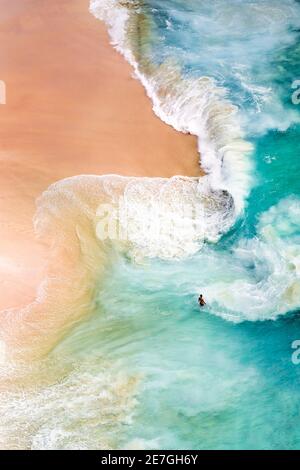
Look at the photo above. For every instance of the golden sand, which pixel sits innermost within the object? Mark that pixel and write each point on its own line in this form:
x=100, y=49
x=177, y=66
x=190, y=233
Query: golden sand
x=72, y=108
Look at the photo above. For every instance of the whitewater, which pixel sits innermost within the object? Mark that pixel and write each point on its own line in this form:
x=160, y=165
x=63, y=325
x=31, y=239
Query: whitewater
x=131, y=362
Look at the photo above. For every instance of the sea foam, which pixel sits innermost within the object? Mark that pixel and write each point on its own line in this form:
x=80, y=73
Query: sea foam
x=191, y=105
x=263, y=273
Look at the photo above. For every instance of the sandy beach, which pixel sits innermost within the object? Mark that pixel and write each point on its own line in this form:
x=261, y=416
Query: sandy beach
x=72, y=108
x=113, y=224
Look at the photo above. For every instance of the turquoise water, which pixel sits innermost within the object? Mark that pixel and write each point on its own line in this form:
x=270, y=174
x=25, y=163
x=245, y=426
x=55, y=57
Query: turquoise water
x=222, y=377
x=147, y=368
x=204, y=383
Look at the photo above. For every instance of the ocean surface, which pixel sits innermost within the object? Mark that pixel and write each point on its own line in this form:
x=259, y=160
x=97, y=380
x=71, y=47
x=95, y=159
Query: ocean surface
x=147, y=369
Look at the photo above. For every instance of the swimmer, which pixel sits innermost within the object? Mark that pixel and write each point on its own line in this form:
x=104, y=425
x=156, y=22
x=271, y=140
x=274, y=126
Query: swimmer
x=201, y=301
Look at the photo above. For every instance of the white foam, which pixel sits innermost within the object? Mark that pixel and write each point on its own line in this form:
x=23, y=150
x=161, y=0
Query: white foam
x=195, y=106
x=167, y=218
x=198, y=105
x=82, y=407
x=263, y=274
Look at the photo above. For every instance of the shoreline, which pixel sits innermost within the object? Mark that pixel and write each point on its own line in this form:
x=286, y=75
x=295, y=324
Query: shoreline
x=72, y=108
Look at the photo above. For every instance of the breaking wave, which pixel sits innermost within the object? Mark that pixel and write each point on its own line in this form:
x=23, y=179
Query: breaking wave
x=191, y=105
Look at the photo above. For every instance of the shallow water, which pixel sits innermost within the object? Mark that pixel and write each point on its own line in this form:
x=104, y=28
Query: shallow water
x=223, y=377
x=203, y=382
x=148, y=369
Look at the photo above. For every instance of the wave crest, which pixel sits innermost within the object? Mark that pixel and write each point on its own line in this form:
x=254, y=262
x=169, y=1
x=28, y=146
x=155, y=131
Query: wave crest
x=191, y=105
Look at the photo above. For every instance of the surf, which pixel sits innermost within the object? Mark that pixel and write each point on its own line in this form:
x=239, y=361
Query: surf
x=115, y=333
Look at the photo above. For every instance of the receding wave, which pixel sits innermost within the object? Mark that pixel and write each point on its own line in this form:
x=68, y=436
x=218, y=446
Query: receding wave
x=86, y=219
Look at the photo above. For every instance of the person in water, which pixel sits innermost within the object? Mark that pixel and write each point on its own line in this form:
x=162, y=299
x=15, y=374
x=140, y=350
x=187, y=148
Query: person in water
x=201, y=301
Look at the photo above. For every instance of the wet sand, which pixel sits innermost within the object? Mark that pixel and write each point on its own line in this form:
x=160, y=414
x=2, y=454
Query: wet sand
x=72, y=108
